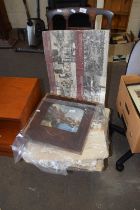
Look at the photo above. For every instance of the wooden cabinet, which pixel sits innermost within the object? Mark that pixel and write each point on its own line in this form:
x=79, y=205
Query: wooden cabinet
x=92, y=3
x=18, y=99
x=121, y=10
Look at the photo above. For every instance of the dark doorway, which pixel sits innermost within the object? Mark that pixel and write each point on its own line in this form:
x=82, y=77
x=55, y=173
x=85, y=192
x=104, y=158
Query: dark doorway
x=54, y=4
x=5, y=26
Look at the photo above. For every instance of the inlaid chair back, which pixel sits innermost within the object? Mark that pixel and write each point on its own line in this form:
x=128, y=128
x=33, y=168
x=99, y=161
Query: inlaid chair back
x=77, y=63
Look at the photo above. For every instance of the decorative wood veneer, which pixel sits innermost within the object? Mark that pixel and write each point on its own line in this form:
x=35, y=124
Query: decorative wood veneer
x=18, y=98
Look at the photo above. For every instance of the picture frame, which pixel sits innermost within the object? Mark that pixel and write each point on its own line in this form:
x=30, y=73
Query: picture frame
x=134, y=91
x=62, y=122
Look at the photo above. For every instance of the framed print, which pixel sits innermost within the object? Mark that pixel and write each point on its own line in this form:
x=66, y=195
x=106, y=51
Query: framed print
x=63, y=117
x=134, y=91
x=63, y=123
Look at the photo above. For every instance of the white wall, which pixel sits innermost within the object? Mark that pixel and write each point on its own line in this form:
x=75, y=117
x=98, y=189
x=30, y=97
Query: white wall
x=16, y=11
x=134, y=19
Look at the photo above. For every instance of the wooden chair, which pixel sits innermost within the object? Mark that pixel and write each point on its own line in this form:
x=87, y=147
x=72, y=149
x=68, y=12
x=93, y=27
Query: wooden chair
x=73, y=79
x=76, y=17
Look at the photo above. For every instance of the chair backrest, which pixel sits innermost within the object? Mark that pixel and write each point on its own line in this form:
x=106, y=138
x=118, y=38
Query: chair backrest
x=133, y=66
x=77, y=63
x=77, y=17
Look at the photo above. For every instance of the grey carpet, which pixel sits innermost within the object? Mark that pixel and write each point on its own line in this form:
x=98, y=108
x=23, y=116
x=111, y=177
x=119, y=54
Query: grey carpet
x=24, y=187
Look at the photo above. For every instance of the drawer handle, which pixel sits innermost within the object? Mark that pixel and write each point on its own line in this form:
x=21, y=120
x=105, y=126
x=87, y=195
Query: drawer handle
x=127, y=109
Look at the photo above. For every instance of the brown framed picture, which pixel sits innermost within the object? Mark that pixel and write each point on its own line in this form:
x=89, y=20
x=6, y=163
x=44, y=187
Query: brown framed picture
x=134, y=91
x=63, y=123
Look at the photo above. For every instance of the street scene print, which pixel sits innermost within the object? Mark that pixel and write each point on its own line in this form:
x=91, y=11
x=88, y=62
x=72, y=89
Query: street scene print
x=63, y=117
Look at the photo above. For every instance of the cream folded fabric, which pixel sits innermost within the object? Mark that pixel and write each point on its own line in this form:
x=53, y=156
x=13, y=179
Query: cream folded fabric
x=48, y=157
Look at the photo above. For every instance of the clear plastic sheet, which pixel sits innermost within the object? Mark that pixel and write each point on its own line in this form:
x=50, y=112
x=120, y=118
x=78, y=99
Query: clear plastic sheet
x=53, y=159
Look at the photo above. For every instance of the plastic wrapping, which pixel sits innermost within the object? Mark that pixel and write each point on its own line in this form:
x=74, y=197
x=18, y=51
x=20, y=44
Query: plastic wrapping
x=54, y=159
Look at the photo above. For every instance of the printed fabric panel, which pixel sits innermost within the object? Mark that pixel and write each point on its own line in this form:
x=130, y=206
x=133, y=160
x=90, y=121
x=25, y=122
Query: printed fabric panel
x=77, y=63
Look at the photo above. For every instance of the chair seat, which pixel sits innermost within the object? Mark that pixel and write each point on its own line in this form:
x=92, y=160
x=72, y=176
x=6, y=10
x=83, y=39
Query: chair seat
x=49, y=158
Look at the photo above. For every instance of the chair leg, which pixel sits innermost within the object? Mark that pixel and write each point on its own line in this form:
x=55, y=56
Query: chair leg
x=113, y=127
x=123, y=159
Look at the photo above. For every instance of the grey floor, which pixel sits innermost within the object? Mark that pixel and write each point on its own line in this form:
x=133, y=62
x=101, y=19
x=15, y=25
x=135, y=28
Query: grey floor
x=24, y=187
